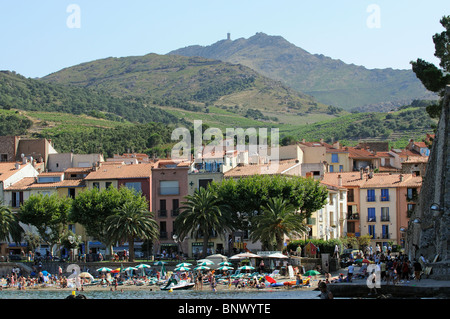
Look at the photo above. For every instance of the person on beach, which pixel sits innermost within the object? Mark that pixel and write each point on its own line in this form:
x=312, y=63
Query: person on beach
x=351, y=269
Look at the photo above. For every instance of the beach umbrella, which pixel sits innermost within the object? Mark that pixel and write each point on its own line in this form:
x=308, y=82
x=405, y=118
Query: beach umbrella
x=311, y=273
x=225, y=268
x=245, y=255
x=159, y=263
x=45, y=273
x=184, y=265
x=115, y=271
x=86, y=275
x=225, y=263
x=202, y=268
x=205, y=262
x=246, y=268
x=143, y=266
x=366, y=261
x=277, y=255
x=130, y=268
x=182, y=269
x=104, y=269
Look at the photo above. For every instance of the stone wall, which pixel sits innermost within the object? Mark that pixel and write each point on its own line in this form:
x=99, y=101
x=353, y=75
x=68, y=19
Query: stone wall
x=430, y=234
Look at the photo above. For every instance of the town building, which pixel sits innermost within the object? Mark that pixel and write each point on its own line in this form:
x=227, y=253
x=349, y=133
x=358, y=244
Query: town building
x=378, y=203
x=169, y=189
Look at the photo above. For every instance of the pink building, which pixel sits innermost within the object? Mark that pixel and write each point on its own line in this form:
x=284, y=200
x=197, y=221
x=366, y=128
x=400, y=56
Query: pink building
x=169, y=188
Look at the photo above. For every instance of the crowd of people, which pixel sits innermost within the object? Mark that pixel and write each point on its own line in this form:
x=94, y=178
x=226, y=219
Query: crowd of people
x=392, y=269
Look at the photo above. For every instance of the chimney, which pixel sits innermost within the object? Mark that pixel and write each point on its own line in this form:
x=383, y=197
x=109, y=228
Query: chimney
x=228, y=36
x=339, y=180
x=17, y=166
x=401, y=177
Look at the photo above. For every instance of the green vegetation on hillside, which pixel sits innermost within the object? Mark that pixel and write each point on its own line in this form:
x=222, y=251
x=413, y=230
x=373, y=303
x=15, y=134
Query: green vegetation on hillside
x=13, y=124
x=400, y=126
x=189, y=83
x=27, y=94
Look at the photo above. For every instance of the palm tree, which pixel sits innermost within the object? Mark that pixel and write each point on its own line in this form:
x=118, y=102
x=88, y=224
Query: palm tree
x=9, y=225
x=131, y=221
x=201, y=214
x=277, y=219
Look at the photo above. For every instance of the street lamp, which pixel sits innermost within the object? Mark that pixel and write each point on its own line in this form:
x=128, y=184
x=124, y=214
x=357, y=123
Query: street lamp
x=436, y=210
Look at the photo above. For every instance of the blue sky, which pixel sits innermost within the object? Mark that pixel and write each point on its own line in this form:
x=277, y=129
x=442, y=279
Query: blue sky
x=37, y=40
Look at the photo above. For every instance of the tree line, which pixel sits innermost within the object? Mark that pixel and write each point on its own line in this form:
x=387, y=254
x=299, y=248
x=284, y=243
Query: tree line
x=269, y=207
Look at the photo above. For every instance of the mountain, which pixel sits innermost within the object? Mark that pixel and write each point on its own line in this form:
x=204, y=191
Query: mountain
x=193, y=84
x=330, y=81
x=19, y=92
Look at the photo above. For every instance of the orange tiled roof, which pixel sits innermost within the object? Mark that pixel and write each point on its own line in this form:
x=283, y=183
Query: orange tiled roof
x=353, y=179
x=28, y=183
x=120, y=171
x=7, y=169
x=257, y=169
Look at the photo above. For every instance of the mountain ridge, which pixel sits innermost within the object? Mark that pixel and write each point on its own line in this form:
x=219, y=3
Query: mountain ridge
x=330, y=81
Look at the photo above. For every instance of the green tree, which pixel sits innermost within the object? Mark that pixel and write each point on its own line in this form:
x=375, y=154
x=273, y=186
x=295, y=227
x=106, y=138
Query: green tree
x=9, y=225
x=92, y=207
x=49, y=214
x=278, y=218
x=433, y=78
x=131, y=221
x=201, y=214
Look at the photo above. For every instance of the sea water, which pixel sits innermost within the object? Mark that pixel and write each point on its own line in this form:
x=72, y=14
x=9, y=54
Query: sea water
x=158, y=294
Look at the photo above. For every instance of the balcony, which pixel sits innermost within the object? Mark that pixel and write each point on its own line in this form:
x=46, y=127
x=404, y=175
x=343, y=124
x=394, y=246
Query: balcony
x=371, y=219
x=163, y=235
x=354, y=216
x=175, y=212
x=385, y=198
x=162, y=213
x=385, y=218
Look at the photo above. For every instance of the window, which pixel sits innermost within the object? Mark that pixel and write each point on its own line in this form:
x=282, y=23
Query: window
x=169, y=188
x=162, y=212
x=331, y=168
x=49, y=179
x=204, y=183
x=107, y=184
x=71, y=192
x=3, y=157
x=350, y=195
x=134, y=185
x=162, y=230
x=411, y=194
x=384, y=214
x=371, y=214
x=96, y=185
x=334, y=158
x=385, y=231
x=372, y=230
x=370, y=195
x=17, y=199
x=175, y=206
x=385, y=195
x=341, y=168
